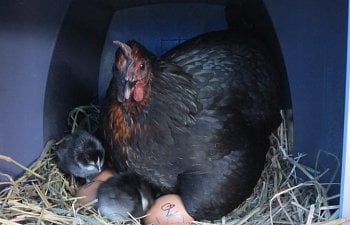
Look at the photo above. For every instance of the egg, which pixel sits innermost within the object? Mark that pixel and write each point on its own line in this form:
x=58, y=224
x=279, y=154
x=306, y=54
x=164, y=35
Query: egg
x=104, y=175
x=167, y=210
x=89, y=190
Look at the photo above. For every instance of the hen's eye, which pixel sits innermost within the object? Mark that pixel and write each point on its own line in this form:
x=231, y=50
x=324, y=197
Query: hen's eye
x=142, y=66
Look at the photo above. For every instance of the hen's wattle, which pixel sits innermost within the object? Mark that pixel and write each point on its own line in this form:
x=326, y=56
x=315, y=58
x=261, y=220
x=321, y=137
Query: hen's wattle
x=195, y=121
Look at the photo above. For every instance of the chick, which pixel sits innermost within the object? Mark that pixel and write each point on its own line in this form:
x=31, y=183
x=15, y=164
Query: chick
x=80, y=155
x=124, y=194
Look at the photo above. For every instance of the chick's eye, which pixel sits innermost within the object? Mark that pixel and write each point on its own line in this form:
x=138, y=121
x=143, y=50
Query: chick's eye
x=142, y=66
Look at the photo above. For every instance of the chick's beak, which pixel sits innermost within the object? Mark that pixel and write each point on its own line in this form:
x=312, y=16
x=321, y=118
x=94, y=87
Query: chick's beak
x=99, y=165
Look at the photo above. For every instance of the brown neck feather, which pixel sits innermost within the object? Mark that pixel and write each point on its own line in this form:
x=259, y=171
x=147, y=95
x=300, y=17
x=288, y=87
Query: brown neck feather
x=120, y=118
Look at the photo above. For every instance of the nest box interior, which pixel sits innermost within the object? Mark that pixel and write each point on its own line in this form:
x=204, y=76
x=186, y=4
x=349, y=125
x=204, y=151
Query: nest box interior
x=58, y=55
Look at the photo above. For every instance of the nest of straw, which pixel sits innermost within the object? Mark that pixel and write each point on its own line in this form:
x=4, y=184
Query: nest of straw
x=43, y=195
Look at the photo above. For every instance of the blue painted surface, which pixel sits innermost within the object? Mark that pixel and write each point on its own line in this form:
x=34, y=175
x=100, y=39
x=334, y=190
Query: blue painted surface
x=345, y=178
x=312, y=35
x=28, y=31
x=73, y=76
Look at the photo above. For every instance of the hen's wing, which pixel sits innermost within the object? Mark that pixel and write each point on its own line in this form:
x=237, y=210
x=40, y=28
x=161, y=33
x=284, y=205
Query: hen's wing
x=235, y=72
x=238, y=87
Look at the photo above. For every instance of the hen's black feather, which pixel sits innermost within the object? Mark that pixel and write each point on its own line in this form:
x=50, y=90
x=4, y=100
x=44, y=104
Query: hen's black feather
x=203, y=129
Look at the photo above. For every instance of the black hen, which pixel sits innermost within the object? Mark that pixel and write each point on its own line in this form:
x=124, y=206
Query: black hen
x=195, y=121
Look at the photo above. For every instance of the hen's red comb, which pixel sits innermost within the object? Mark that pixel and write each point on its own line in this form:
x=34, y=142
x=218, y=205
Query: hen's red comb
x=124, y=47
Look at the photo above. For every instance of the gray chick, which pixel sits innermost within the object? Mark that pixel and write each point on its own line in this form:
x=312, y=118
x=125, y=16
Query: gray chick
x=80, y=155
x=124, y=194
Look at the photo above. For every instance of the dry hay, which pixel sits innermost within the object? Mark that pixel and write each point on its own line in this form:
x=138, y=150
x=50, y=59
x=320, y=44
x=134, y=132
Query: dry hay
x=43, y=195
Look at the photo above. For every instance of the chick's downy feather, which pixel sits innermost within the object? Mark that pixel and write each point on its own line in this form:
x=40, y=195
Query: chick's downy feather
x=80, y=155
x=124, y=194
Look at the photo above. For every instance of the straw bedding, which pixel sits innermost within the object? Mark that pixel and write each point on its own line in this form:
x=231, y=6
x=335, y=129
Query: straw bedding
x=43, y=195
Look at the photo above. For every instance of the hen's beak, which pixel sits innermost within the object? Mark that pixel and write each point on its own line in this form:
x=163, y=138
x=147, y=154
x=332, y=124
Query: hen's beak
x=128, y=87
x=126, y=84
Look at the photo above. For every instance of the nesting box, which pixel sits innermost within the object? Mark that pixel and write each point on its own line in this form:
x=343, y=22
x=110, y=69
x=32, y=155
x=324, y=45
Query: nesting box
x=56, y=55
